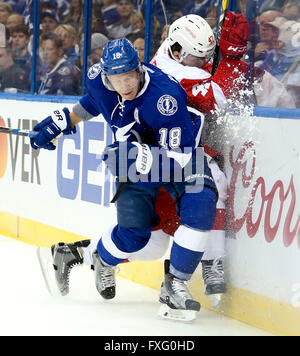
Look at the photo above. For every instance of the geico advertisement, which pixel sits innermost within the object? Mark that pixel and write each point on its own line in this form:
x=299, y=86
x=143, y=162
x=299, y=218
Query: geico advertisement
x=75, y=156
x=15, y=150
x=47, y=185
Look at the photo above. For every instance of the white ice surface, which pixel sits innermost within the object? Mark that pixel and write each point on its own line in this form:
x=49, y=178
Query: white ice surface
x=27, y=308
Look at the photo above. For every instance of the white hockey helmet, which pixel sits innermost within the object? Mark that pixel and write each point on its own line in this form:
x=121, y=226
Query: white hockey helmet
x=194, y=35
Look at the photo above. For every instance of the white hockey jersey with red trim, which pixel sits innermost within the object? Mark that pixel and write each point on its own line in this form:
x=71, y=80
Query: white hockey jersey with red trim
x=204, y=91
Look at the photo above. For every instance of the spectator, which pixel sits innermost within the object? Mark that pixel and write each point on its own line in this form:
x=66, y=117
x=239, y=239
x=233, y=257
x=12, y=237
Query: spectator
x=75, y=16
x=284, y=61
x=50, y=21
x=291, y=10
x=139, y=44
x=50, y=5
x=79, y=62
x=266, y=5
x=270, y=92
x=123, y=27
x=98, y=41
x=176, y=15
x=61, y=7
x=18, y=6
x=268, y=34
x=137, y=22
x=13, y=20
x=19, y=46
x=242, y=7
x=5, y=11
x=67, y=34
x=109, y=12
x=172, y=8
x=211, y=16
x=28, y=14
x=12, y=77
x=2, y=35
x=173, y=5
x=98, y=24
x=59, y=76
x=164, y=33
x=197, y=7
x=138, y=26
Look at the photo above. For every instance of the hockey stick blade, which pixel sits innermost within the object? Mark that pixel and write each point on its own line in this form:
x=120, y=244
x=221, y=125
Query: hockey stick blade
x=45, y=261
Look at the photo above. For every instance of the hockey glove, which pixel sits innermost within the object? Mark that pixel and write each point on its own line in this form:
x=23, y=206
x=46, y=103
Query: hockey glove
x=126, y=159
x=234, y=36
x=50, y=128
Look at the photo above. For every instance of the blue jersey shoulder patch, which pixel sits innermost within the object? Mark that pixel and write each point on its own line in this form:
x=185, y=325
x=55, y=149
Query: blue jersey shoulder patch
x=94, y=71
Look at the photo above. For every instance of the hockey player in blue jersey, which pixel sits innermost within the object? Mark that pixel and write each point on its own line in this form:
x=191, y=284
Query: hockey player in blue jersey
x=146, y=110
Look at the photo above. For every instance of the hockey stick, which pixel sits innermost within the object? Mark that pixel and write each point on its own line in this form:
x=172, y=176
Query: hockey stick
x=224, y=8
x=19, y=132
x=253, y=42
x=27, y=133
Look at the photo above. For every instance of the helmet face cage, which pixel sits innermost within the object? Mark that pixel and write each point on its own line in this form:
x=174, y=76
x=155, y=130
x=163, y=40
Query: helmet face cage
x=194, y=35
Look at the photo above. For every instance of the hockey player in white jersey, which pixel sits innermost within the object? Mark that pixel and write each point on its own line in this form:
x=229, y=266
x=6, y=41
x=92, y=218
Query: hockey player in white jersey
x=185, y=55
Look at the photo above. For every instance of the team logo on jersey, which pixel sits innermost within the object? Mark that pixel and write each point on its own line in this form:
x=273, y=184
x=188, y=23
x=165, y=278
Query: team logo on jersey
x=167, y=105
x=94, y=71
x=64, y=71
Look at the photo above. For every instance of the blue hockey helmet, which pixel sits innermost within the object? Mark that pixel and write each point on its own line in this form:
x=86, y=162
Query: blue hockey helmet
x=119, y=56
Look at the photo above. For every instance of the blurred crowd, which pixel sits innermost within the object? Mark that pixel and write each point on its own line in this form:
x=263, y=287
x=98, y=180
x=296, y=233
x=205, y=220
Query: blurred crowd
x=276, y=52
x=274, y=47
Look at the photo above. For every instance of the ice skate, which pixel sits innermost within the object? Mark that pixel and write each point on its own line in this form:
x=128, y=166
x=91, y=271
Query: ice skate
x=177, y=302
x=104, y=277
x=213, y=276
x=46, y=263
x=56, y=264
x=65, y=257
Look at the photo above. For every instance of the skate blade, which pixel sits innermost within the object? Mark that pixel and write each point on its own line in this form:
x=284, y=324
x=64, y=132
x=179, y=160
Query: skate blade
x=182, y=315
x=215, y=300
x=45, y=260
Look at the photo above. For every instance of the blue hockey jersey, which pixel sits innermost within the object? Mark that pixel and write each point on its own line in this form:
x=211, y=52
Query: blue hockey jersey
x=61, y=80
x=158, y=113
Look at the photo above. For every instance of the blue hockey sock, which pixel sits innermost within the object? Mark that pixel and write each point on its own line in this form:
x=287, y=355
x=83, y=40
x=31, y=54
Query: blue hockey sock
x=184, y=261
